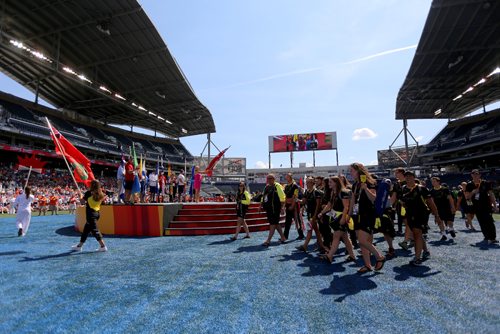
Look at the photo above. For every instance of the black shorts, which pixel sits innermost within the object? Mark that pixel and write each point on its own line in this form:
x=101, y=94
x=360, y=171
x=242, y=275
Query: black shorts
x=129, y=184
x=273, y=218
x=153, y=190
x=241, y=211
x=469, y=209
x=335, y=224
x=364, y=223
x=447, y=217
x=386, y=226
x=419, y=222
x=180, y=189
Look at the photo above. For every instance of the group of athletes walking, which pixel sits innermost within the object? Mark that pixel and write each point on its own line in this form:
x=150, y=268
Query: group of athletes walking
x=338, y=211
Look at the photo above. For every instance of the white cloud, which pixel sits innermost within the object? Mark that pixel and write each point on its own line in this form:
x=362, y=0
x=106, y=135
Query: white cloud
x=419, y=139
x=363, y=133
x=262, y=165
x=373, y=162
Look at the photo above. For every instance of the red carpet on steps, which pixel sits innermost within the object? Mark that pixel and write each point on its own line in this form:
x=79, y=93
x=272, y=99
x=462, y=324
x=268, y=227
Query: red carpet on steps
x=215, y=218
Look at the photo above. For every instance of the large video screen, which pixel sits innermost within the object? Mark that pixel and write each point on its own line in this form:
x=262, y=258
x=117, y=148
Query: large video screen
x=303, y=142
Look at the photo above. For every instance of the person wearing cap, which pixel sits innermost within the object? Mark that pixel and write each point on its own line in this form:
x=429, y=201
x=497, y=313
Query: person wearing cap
x=417, y=201
x=446, y=207
x=480, y=192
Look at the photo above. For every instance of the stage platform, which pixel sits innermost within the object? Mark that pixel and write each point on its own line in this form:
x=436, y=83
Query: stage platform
x=173, y=219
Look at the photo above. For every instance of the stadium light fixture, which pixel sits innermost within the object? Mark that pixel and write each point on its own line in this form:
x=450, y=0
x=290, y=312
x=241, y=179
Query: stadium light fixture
x=105, y=89
x=458, y=97
x=16, y=43
x=84, y=78
x=159, y=117
x=68, y=70
x=167, y=121
x=468, y=90
x=134, y=105
x=437, y=112
x=152, y=113
x=184, y=130
x=142, y=108
x=495, y=71
x=35, y=53
x=480, y=82
x=120, y=97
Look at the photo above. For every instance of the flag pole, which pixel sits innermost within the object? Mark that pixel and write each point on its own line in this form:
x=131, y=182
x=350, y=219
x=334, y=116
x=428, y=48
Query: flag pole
x=29, y=173
x=62, y=152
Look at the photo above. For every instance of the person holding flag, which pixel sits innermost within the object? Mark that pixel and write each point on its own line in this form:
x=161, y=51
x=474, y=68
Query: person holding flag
x=92, y=200
x=23, y=204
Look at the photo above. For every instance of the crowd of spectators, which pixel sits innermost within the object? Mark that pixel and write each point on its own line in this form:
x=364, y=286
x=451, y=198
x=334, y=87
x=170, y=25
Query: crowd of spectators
x=54, y=190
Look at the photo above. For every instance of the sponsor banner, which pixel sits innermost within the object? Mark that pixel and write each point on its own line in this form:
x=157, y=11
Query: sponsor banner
x=303, y=142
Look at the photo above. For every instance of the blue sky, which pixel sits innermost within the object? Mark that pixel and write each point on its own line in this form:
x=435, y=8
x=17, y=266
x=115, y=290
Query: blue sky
x=287, y=66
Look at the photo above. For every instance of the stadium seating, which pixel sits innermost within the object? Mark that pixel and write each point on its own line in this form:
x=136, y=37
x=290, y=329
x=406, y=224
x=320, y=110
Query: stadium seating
x=31, y=122
x=470, y=131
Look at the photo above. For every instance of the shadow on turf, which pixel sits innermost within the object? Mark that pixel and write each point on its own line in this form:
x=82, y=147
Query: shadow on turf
x=439, y=243
x=69, y=231
x=349, y=285
x=11, y=253
x=406, y=271
x=222, y=242
x=251, y=249
x=55, y=256
x=484, y=246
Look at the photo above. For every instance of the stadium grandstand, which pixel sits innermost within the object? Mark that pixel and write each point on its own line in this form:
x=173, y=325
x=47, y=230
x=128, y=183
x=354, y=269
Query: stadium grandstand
x=105, y=69
x=455, y=73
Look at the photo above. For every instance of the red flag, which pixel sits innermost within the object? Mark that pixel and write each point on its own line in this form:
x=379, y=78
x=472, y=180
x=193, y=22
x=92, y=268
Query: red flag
x=80, y=163
x=210, y=168
x=36, y=164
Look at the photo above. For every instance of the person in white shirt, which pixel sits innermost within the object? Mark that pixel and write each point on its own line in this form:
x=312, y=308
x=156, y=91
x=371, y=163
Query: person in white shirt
x=181, y=184
x=153, y=186
x=23, y=205
x=120, y=178
x=12, y=208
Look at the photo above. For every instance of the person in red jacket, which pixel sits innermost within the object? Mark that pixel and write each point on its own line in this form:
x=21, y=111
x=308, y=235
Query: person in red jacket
x=129, y=179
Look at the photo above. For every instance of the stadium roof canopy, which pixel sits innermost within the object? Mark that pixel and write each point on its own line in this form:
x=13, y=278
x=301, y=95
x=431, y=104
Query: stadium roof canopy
x=102, y=59
x=459, y=46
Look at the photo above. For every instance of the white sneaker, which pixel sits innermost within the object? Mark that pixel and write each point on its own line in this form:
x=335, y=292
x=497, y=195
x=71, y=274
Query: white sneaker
x=77, y=248
x=102, y=249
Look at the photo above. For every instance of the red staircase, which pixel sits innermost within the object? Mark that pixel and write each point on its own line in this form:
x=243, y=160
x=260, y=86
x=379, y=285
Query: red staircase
x=215, y=218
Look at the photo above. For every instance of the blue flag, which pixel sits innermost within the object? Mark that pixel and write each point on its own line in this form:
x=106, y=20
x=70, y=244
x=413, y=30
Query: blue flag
x=192, y=183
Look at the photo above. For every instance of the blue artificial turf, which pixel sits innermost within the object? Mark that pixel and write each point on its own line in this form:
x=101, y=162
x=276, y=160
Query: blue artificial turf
x=208, y=284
